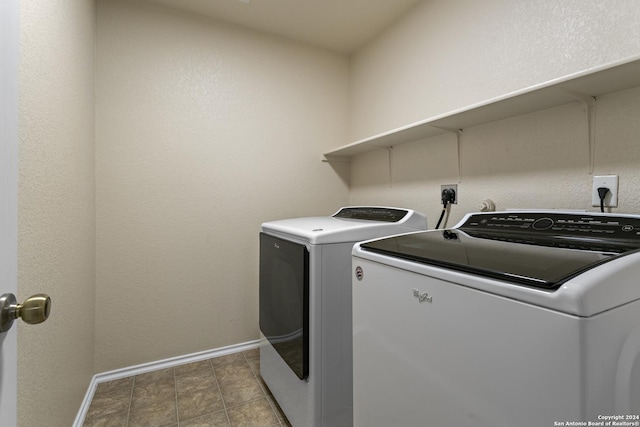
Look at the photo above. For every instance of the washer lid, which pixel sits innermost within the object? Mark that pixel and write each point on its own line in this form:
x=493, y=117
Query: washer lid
x=527, y=264
x=537, y=248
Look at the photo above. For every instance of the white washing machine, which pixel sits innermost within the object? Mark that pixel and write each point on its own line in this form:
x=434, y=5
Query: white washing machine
x=305, y=308
x=509, y=319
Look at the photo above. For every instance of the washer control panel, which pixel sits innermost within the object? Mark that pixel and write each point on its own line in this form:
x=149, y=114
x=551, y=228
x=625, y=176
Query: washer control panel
x=581, y=225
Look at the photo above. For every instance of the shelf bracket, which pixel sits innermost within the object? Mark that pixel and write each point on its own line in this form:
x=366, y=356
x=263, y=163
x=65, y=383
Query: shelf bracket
x=458, y=133
x=390, y=165
x=589, y=104
x=335, y=159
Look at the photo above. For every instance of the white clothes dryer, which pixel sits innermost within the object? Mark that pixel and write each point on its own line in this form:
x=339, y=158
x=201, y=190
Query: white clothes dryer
x=305, y=308
x=509, y=319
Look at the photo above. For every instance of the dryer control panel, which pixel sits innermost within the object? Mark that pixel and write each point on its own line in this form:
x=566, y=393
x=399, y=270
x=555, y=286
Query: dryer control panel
x=372, y=213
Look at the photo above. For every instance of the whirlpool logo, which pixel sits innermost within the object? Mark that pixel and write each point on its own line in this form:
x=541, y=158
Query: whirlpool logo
x=422, y=296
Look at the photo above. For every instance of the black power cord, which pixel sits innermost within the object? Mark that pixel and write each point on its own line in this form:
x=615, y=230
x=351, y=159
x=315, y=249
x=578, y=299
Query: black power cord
x=448, y=197
x=602, y=193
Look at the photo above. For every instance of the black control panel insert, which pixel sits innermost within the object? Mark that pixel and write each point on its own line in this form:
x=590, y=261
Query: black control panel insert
x=372, y=214
x=568, y=229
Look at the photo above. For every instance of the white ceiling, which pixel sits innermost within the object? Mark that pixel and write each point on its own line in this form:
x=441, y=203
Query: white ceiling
x=339, y=25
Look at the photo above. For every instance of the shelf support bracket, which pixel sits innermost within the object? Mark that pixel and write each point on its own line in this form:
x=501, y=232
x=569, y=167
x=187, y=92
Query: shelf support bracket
x=458, y=133
x=335, y=159
x=390, y=164
x=589, y=104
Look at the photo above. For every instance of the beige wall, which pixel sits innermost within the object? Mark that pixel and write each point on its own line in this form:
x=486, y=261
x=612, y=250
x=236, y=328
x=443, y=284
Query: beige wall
x=204, y=131
x=446, y=55
x=56, y=216
x=449, y=54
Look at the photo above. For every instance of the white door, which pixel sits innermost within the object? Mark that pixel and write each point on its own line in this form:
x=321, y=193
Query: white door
x=8, y=200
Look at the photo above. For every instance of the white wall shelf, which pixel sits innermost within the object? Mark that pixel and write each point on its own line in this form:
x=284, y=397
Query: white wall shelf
x=594, y=82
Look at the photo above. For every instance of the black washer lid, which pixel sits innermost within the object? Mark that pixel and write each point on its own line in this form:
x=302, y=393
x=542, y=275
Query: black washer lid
x=527, y=264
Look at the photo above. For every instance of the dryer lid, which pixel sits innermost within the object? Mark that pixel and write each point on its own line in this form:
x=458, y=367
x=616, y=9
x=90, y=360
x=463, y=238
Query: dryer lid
x=349, y=224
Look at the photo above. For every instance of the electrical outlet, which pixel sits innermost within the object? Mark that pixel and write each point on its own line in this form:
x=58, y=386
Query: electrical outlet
x=453, y=187
x=607, y=181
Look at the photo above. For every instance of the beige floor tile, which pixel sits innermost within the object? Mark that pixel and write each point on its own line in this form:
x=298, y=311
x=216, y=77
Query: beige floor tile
x=150, y=393
x=240, y=392
x=156, y=415
x=220, y=392
x=199, y=402
x=193, y=367
x=234, y=372
x=254, y=364
x=217, y=419
x=117, y=419
x=264, y=387
x=154, y=376
x=276, y=408
x=252, y=354
x=115, y=385
x=109, y=403
x=225, y=360
x=195, y=381
x=257, y=413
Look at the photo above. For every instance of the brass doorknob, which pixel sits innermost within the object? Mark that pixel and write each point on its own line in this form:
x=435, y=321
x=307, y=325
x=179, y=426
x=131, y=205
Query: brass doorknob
x=33, y=310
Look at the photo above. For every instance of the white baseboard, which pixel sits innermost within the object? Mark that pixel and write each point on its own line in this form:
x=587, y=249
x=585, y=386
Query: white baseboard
x=154, y=366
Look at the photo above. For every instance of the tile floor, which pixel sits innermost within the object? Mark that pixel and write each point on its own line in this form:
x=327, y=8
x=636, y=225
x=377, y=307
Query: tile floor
x=226, y=391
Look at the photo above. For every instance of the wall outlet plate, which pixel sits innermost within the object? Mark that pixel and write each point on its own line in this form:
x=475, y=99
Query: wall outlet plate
x=454, y=187
x=610, y=182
